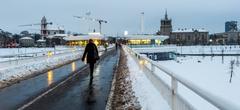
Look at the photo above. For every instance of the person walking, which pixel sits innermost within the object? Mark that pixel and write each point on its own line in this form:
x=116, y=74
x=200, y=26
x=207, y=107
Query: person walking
x=92, y=56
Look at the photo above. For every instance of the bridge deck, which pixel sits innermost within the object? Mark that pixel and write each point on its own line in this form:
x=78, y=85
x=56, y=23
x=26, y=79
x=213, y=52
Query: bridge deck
x=15, y=96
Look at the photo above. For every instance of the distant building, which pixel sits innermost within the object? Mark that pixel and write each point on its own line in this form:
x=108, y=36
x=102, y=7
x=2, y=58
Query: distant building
x=55, y=36
x=189, y=37
x=26, y=42
x=145, y=39
x=55, y=30
x=57, y=39
x=82, y=40
x=44, y=24
x=182, y=36
x=166, y=26
x=230, y=38
x=231, y=26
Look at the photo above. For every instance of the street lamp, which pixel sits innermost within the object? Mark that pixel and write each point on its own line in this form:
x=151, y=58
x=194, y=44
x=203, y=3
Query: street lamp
x=210, y=40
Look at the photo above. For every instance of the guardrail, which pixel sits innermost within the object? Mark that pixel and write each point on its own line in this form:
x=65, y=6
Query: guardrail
x=170, y=92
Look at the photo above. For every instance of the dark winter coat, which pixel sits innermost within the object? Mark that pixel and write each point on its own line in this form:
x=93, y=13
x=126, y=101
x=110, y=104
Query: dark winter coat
x=91, y=51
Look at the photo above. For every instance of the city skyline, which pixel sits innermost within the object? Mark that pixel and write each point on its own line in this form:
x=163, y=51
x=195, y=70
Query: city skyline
x=121, y=15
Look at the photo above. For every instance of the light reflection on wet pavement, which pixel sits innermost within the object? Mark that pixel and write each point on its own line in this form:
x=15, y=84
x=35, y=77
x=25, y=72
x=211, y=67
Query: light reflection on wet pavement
x=14, y=96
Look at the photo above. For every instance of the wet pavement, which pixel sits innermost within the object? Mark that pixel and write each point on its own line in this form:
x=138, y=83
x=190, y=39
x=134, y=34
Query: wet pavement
x=14, y=96
x=79, y=94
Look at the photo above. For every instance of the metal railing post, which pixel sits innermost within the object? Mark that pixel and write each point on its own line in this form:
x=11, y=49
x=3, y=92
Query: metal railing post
x=152, y=67
x=174, y=92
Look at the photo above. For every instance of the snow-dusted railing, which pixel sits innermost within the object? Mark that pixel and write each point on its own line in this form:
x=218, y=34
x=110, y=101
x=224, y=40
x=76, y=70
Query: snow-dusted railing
x=170, y=93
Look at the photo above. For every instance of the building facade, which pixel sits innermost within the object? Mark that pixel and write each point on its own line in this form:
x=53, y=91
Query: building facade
x=182, y=36
x=231, y=26
x=189, y=37
x=230, y=38
x=26, y=42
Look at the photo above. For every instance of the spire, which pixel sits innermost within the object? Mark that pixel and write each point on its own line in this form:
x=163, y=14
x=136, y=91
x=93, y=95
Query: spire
x=166, y=15
x=44, y=20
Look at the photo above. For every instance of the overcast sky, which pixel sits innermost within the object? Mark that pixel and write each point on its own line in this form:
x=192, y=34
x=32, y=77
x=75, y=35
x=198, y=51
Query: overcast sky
x=121, y=14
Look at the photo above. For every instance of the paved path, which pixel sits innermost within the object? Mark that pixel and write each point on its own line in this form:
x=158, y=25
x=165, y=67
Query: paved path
x=14, y=96
x=78, y=94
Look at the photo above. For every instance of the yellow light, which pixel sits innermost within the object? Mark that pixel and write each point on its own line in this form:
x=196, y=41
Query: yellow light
x=50, y=53
x=140, y=41
x=96, y=42
x=73, y=66
x=141, y=62
x=158, y=42
x=50, y=77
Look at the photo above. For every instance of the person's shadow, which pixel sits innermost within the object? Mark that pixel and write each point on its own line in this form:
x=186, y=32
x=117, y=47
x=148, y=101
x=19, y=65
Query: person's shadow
x=90, y=93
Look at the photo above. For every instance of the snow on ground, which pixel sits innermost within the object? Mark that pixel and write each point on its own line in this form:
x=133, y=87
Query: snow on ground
x=148, y=96
x=218, y=49
x=38, y=65
x=209, y=73
x=10, y=54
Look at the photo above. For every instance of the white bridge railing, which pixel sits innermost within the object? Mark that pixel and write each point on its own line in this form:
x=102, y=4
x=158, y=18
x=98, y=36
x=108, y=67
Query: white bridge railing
x=170, y=92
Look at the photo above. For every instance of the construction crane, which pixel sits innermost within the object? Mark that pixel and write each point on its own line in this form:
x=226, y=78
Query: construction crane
x=43, y=25
x=100, y=21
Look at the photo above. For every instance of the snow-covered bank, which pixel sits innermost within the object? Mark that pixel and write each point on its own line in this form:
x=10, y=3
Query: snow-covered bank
x=14, y=73
x=12, y=54
x=149, y=97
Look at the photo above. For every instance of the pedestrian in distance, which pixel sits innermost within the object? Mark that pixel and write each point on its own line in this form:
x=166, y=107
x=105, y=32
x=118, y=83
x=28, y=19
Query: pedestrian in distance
x=105, y=46
x=91, y=52
x=116, y=45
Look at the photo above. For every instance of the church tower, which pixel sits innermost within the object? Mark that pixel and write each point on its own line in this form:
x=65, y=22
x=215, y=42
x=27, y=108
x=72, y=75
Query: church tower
x=166, y=25
x=44, y=27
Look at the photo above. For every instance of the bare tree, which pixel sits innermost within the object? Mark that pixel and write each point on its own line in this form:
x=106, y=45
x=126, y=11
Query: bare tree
x=231, y=70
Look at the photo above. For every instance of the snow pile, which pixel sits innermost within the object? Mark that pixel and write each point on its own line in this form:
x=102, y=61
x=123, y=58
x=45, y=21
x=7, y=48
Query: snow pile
x=16, y=72
x=148, y=96
x=12, y=54
x=209, y=73
x=123, y=97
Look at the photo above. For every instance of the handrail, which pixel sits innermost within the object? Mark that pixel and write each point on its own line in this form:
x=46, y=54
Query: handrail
x=209, y=97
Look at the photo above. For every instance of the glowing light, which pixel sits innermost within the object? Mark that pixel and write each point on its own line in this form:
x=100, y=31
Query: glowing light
x=96, y=42
x=125, y=33
x=50, y=77
x=158, y=42
x=73, y=66
x=141, y=62
x=142, y=41
x=50, y=53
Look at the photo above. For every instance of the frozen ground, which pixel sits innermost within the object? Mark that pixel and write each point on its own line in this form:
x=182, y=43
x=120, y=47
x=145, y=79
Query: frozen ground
x=209, y=73
x=148, y=96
